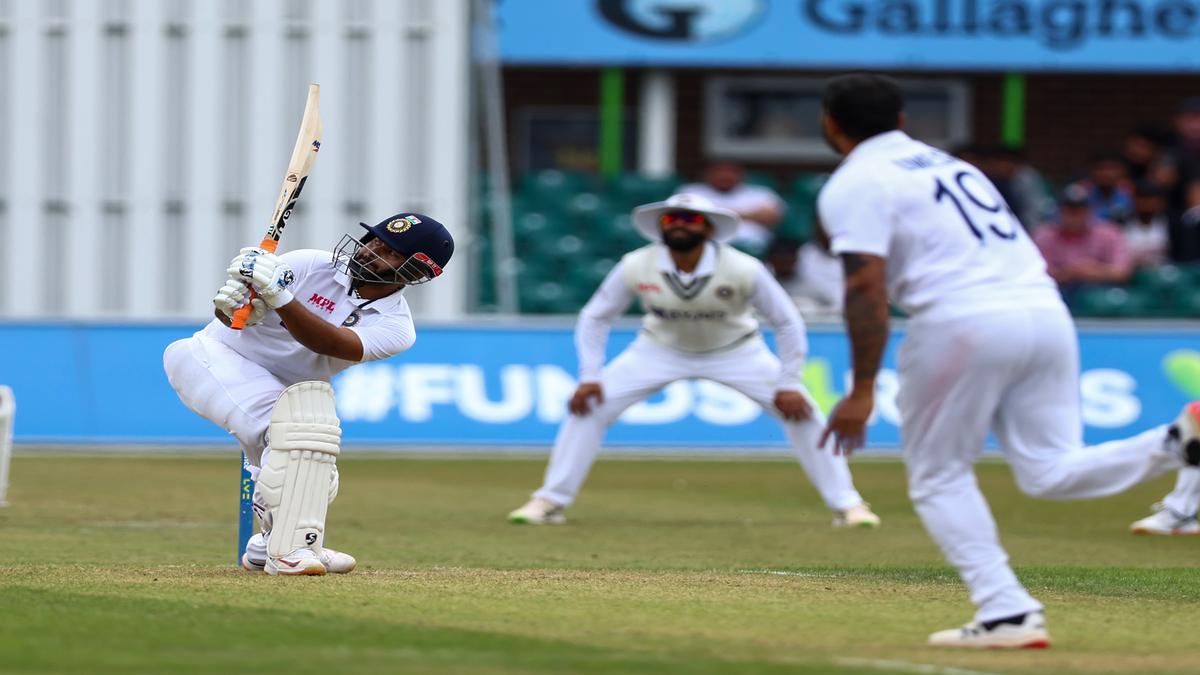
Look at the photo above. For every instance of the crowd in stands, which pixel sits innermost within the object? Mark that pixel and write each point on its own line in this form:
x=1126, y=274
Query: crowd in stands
x=1121, y=236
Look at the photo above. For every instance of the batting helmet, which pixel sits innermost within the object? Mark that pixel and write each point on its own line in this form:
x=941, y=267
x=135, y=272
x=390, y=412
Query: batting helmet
x=424, y=240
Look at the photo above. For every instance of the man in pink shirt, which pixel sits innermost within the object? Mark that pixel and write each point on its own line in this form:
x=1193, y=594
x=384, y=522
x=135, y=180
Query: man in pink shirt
x=1080, y=249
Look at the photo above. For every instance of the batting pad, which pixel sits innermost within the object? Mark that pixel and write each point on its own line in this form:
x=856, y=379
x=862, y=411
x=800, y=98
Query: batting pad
x=294, y=483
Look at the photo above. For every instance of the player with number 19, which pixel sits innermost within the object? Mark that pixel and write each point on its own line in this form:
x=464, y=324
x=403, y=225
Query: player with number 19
x=990, y=347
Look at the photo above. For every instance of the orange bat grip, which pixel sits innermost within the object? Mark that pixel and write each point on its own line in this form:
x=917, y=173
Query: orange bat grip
x=242, y=313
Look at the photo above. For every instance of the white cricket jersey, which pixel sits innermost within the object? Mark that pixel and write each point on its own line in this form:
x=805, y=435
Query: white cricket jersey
x=385, y=325
x=706, y=311
x=953, y=247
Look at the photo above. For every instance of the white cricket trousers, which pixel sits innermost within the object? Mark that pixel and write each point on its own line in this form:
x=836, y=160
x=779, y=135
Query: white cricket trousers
x=1015, y=373
x=646, y=367
x=1185, y=498
x=226, y=388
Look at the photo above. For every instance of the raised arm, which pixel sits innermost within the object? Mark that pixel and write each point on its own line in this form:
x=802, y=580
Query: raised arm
x=321, y=337
x=272, y=279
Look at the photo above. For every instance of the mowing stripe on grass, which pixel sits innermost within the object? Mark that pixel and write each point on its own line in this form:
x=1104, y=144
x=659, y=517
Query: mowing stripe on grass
x=906, y=667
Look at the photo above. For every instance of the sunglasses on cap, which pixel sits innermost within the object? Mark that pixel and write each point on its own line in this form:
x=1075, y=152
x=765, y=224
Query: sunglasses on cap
x=682, y=216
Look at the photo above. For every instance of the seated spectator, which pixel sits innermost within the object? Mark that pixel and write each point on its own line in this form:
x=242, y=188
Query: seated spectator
x=1183, y=196
x=1146, y=158
x=1022, y=187
x=1148, y=229
x=809, y=273
x=1080, y=249
x=1111, y=195
x=760, y=208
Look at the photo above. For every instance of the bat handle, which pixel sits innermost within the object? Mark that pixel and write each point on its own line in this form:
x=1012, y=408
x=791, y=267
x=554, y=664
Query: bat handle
x=241, y=314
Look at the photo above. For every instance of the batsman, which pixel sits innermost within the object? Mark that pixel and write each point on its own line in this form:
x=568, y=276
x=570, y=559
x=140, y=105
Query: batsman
x=312, y=315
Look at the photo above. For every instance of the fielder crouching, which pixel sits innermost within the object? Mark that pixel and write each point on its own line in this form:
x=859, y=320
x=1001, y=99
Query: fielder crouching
x=700, y=297
x=315, y=315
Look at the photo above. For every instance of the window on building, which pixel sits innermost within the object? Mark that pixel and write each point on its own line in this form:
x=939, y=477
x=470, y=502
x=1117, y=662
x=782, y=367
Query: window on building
x=566, y=138
x=779, y=118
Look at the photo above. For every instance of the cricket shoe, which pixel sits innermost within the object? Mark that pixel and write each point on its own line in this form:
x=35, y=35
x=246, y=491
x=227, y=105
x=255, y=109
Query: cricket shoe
x=539, y=511
x=1166, y=522
x=859, y=515
x=1024, y=631
x=255, y=557
x=303, y=562
x=1186, y=431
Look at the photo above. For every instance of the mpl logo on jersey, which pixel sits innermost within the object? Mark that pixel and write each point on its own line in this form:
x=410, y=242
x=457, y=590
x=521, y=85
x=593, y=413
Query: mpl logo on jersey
x=321, y=302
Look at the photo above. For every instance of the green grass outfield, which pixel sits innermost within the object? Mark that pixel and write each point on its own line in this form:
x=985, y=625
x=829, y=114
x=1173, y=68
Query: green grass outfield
x=114, y=564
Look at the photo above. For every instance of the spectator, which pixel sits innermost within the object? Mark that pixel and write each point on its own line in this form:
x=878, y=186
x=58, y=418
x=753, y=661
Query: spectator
x=760, y=208
x=1145, y=155
x=1080, y=249
x=1021, y=185
x=1111, y=195
x=809, y=273
x=1185, y=194
x=1148, y=230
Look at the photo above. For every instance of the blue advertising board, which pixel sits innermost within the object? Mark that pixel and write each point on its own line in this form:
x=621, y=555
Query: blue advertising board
x=487, y=386
x=1035, y=35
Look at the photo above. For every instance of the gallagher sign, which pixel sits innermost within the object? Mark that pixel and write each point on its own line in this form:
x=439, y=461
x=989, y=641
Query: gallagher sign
x=1081, y=35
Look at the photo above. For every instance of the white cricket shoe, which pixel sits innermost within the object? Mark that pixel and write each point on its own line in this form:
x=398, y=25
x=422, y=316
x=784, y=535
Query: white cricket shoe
x=299, y=563
x=859, y=515
x=1166, y=522
x=539, y=511
x=1186, y=430
x=255, y=557
x=1027, y=631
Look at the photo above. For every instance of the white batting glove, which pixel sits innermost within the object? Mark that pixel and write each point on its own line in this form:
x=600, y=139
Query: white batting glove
x=232, y=296
x=267, y=273
x=244, y=259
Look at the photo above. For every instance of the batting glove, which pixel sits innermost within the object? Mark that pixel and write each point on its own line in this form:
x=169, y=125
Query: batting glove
x=232, y=296
x=267, y=273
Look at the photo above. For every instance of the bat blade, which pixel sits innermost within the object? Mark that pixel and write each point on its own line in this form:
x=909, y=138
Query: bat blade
x=304, y=155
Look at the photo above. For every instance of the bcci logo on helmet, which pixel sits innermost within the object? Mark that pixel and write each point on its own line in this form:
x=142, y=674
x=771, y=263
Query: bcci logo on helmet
x=402, y=224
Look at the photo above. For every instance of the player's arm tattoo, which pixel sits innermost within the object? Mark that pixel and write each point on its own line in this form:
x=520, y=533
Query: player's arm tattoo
x=866, y=313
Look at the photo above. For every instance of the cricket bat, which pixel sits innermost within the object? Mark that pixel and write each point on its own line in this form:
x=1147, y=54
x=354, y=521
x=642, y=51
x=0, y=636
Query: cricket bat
x=304, y=154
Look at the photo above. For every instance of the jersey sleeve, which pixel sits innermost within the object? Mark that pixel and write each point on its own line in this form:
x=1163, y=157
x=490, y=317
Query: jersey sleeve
x=303, y=260
x=777, y=309
x=857, y=214
x=595, y=320
x=388, y=336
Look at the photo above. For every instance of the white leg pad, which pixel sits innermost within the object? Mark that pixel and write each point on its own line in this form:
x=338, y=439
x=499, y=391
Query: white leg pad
x=294, y=485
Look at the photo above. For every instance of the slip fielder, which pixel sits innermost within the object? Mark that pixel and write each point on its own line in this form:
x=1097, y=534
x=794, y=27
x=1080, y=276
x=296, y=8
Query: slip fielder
x=699, y=295
x=316, y=314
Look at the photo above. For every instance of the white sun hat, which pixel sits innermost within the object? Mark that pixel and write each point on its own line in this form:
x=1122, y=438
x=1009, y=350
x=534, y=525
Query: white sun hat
x=725, y=223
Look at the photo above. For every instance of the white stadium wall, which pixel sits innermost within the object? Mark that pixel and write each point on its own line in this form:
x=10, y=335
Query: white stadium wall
x=143, y=141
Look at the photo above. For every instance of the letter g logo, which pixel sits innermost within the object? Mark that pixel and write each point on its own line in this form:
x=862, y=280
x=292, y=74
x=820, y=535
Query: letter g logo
x=683, y=20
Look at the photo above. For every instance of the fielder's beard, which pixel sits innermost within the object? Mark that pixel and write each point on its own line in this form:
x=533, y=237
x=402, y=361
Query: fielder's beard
x=682, y=240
